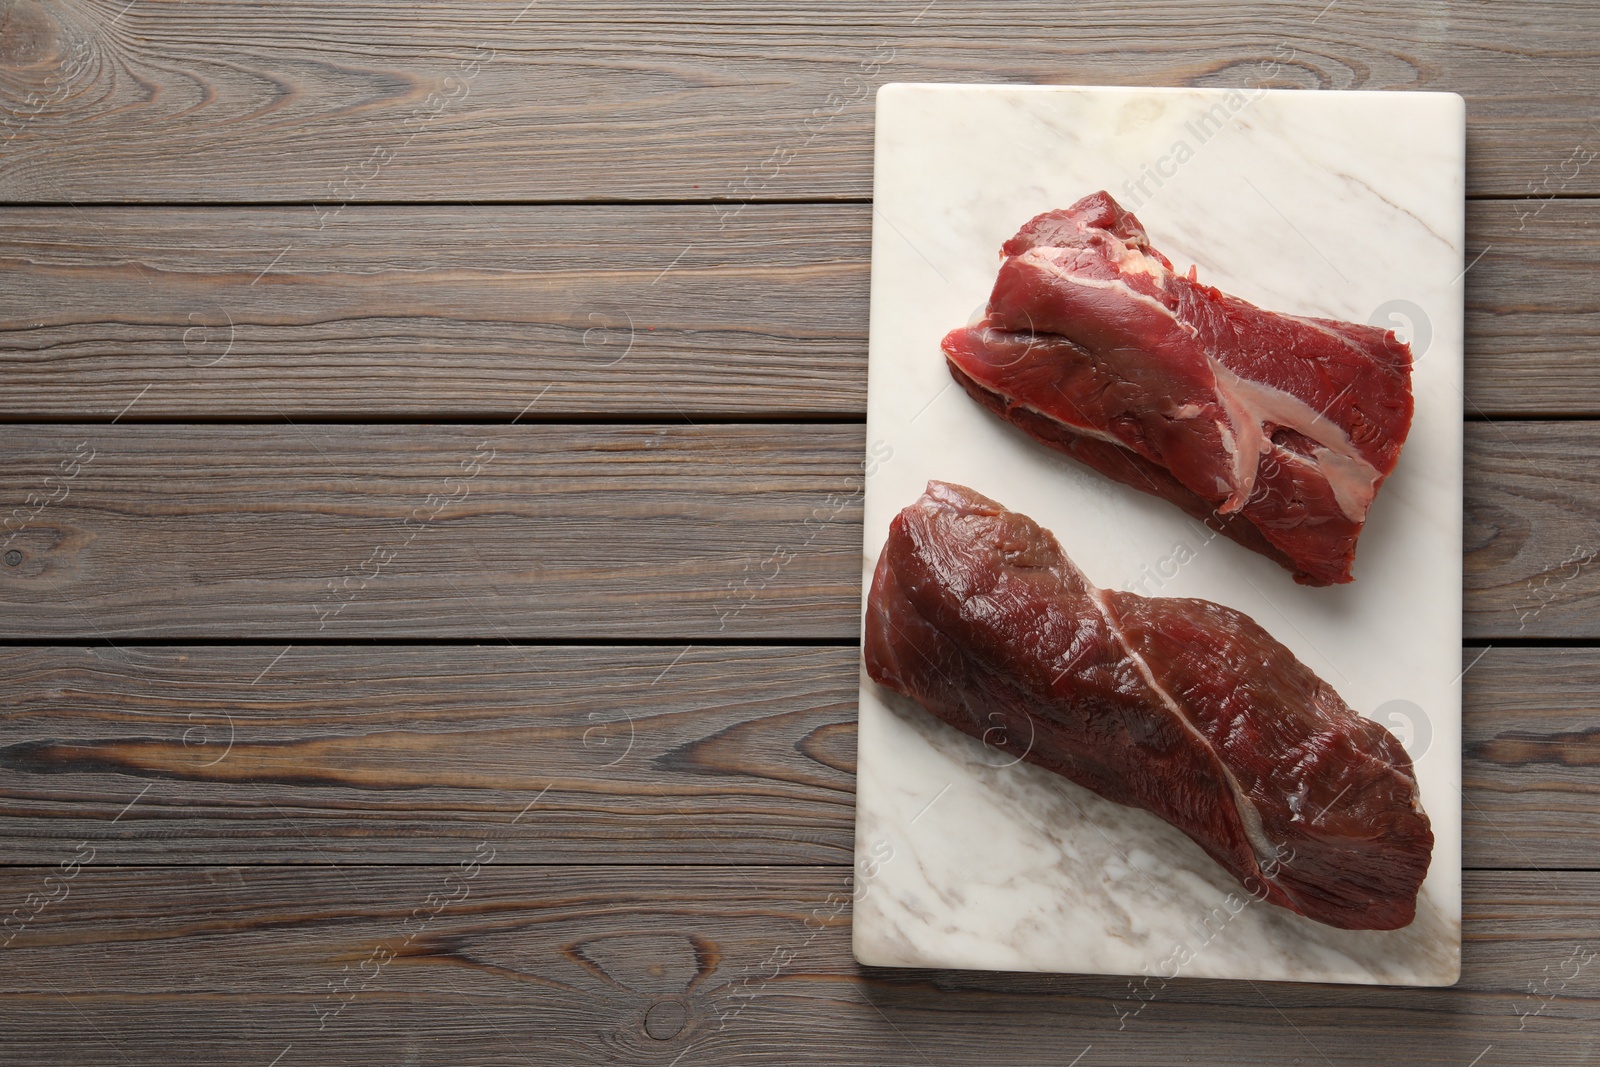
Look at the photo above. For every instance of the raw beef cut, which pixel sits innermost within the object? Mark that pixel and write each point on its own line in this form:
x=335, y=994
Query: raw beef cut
x=1275, y=429
x=1181, y=707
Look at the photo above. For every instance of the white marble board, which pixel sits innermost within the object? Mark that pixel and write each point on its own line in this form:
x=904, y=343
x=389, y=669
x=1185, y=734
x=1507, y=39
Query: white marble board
x=1340, y=204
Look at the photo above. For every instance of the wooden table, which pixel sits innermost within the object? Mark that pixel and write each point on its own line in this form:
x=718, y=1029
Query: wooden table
x=416, y=647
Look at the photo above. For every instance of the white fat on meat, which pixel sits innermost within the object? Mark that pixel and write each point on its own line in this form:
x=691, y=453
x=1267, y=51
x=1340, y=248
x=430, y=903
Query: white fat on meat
x=1249, y=405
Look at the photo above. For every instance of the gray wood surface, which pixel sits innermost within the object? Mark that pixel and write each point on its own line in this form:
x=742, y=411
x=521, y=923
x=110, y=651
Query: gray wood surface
x=488, y=532
x=1532, y=536
x=443, y=311
x=409, y=754
x=645, y=311
x=660, y=531
x=358, y=754
x=408, y=410
x=1530, y=757
x=739, y=99
x=1533, y=308
x=480, y=962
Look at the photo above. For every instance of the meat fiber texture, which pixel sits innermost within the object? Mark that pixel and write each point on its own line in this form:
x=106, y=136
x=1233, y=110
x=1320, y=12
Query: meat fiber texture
x=1181, y=707
x=1276, y=430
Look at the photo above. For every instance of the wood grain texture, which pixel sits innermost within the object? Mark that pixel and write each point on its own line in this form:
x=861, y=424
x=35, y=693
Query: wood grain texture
x=1533, y=308
x=483, y=963
x=411, y=754
x=1531, y=757
x=542, y=790
x=578, y=99
x=237, y=312
x=491, y=532
x=357, y=754
x=643, y=311
x=1532, y=566
x=663, y=532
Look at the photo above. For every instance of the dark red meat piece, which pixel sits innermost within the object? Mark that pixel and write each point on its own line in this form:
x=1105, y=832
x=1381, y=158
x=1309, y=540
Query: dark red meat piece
x=1277, y=428
x=1181, y=707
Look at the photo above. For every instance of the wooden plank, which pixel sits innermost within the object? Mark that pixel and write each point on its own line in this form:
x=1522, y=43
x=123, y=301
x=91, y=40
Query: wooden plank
x=594, y=98
x=359, y=754
x=642, y=311
x=225, y=313
x=489, y=532
x=485, y=963
x=1533, y=308
x=1531, y=757
x=1532, y=539
x=410, y=754
x=665, y=532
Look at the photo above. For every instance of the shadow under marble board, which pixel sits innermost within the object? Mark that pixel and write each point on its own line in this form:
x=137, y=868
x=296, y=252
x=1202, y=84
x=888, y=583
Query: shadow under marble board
x=1346, y=205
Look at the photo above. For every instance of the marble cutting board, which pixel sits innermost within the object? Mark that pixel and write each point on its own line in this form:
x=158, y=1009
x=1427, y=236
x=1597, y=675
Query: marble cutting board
x=1340, y=204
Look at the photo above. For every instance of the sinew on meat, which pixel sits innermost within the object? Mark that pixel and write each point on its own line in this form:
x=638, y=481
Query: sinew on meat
x=1276, y=429
x=1182, y=707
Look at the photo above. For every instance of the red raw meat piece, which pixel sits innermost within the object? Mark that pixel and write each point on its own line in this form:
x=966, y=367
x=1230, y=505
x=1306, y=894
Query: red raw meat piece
x=1277, y=429
x=1181, y=707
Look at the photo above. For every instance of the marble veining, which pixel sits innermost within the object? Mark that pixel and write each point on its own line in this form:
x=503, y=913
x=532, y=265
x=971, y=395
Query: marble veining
x=1348, y=205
